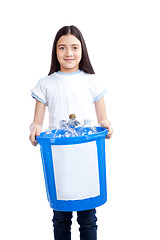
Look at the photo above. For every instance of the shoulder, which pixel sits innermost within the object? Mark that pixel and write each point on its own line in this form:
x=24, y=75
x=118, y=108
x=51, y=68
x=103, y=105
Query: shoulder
x=90, y=78
x=47, y=80
x=87, y=75
x=49, y=77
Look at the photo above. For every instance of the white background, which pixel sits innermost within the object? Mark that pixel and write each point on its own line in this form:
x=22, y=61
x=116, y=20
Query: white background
x=123, y=42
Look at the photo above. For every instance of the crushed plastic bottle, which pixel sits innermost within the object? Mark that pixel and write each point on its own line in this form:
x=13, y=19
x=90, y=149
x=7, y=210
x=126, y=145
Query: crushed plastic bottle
x=73, y=122
x=87, y=128
x=49, y=132
x=64, y=130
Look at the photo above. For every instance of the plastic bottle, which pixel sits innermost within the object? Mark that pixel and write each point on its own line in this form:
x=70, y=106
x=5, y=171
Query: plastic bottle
x=87, y=128
x=64, y=130
x=49, y=132
x=73, y=122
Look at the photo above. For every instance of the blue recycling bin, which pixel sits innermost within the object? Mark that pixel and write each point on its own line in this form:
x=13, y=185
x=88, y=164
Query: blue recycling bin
x=74, y=170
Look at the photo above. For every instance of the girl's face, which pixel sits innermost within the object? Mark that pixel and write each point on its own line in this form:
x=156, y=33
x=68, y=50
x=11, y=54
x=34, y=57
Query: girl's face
x=69, y=53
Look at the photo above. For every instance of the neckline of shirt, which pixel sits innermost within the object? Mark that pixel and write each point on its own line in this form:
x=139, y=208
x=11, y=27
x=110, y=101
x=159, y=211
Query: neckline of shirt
x=72, y=73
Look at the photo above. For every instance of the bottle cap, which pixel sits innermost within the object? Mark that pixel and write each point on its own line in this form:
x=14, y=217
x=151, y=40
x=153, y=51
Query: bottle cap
x=72, y=116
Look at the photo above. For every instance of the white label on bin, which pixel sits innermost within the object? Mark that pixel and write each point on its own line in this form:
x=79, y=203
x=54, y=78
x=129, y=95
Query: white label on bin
x=76, y=171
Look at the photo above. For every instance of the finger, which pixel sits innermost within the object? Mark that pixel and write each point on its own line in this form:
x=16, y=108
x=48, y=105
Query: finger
x=110, y=130
x=38, y=132
x=109, y=135
x=34, y=143
x=32, y=136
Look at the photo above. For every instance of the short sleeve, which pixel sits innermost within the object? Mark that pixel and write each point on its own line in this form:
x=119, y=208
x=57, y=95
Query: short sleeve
x=39, y=92
x=97, y=88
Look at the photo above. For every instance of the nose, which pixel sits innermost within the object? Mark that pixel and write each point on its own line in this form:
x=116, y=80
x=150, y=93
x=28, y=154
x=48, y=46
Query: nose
x=69, y=52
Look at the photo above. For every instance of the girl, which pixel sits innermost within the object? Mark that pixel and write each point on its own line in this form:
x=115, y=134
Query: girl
x=70, y=87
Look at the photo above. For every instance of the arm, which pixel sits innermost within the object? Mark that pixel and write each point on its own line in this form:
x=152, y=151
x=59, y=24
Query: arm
x=36, y=126
x=102, y=117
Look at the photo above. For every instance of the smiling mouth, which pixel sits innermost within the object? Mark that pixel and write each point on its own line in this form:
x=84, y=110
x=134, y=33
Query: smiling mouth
x=69, y=60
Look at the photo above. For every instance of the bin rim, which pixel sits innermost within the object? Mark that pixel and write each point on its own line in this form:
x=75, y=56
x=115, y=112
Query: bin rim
x=49, y=139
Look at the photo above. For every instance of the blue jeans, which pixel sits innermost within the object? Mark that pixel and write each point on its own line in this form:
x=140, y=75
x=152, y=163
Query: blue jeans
x=86, y=219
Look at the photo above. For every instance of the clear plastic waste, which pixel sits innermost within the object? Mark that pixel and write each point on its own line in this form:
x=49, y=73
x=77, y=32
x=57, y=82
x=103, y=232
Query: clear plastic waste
x=87, y=129
x=49, y=132
x=72, y=129
x=64, y=130
x=73, y=122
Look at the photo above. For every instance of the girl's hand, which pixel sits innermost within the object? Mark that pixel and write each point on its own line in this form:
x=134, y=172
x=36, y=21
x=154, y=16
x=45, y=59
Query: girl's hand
x=35, y=131
x=107, y=124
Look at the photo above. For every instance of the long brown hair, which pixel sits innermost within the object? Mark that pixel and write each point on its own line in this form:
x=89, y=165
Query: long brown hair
x=84, y=64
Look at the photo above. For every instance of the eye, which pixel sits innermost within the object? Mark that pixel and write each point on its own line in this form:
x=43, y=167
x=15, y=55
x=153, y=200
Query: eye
x=75, y=48
x=62, y=48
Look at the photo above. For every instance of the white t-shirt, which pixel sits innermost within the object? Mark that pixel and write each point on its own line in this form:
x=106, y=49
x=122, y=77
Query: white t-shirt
x=66, y=93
